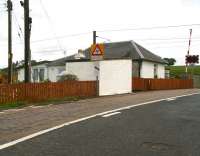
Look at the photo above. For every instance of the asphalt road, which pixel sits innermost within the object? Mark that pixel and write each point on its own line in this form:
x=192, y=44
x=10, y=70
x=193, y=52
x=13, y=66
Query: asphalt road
x=167, y=128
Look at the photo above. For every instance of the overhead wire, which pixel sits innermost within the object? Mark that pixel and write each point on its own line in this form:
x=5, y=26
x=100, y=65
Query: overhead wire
x=149, y=28
x=51, y=51
x=174, y=46
x=60, y=37
x=103, y=38
x=157, y=40
x=19, y=29
x=50, y=22
x=86, y=33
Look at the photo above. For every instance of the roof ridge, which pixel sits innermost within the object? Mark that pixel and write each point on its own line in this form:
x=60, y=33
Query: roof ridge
x=116, y=42
x=148, y=50
x=137, y=49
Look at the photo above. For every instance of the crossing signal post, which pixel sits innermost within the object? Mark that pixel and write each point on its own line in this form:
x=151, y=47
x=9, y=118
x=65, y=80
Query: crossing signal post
x=188, y=52
x=192, y=59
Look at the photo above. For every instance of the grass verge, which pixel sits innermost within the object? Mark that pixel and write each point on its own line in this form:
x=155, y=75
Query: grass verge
x=15, y=105
x=12, y=105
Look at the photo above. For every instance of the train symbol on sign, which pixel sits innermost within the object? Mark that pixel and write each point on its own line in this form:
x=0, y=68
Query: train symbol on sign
x=97, y=50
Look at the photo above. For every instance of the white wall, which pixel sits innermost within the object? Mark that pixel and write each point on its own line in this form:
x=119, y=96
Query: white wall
x=161, y=71
x=85, y=71
x=50, y=73
x=54, y=71
x=147, y=70
x=115, y=77
x=20, y=75
x=21, y=72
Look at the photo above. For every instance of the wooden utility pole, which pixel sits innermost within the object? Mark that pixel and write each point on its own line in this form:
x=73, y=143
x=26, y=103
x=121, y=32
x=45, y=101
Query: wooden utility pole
x=9, y=6
x=27, y=51
x=94, y=37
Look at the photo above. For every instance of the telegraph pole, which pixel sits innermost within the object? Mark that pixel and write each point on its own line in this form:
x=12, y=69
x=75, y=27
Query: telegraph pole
x=9, y=6
x=27, y=51
x=94, y=37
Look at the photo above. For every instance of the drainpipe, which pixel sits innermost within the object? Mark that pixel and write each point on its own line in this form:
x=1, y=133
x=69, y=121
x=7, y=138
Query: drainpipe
x=140, y=66
x=97, y=79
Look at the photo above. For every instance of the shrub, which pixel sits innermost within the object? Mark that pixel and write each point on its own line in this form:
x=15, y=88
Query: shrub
x=68, y=77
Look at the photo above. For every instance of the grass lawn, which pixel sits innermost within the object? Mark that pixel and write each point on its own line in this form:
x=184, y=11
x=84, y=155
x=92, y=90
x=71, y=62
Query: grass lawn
x=15, y=105
x=176, y=71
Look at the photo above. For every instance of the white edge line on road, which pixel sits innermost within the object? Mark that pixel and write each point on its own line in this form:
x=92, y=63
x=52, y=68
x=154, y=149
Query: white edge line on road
x=111, y=114
x=13, y=110
x=6, y=145
x=171, y=99
x=37, y=107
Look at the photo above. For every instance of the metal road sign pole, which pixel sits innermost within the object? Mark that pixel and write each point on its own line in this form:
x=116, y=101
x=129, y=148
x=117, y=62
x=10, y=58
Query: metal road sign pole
x=94, y=37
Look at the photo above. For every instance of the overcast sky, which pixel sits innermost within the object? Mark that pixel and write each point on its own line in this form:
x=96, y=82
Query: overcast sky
x=55, y=21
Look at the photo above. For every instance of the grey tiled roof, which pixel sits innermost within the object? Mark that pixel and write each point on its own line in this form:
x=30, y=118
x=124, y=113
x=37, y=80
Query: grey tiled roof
x=62, y=61
x=127, y=49
x=35, y=64
x=116, y=50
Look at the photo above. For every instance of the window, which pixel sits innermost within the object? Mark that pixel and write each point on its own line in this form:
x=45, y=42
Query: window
x=60, y=70
x=35, y=75
x=155, y=71
x=41, y=75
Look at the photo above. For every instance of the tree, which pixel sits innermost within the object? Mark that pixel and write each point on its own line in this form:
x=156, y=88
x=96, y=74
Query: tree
x=170, y=61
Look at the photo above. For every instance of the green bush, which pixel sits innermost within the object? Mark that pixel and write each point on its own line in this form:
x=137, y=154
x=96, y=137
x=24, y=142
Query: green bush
x=68, y=77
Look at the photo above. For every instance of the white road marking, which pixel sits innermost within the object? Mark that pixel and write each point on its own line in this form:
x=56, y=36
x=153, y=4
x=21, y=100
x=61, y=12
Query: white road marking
x=6, y=145
x=2, y=112
x=37, y=107
x=14, y=110
x=111, y=114
x=171, y=99
x=43, y=132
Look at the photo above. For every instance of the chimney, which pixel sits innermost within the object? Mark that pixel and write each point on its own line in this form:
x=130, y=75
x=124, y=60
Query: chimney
x=80, y=51
x=80, y=54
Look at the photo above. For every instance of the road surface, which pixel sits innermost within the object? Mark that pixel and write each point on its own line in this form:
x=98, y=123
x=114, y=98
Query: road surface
x=167, y=128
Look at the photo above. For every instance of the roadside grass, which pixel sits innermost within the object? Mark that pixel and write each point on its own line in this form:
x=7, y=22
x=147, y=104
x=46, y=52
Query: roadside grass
x=177, y=71
x=56, y=101
x=12, y=105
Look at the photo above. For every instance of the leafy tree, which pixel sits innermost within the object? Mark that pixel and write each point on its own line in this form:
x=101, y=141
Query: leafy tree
x=170, y=61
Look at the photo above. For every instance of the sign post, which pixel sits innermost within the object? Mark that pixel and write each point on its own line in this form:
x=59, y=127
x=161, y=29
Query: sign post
x=97, y=54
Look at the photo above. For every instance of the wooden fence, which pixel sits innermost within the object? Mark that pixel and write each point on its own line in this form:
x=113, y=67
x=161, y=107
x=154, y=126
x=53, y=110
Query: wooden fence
x=161, y=84
x=43, y=91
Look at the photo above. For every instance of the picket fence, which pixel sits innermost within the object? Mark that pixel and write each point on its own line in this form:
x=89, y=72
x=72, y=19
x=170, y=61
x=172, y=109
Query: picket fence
x=32, y=92
x=143, y=84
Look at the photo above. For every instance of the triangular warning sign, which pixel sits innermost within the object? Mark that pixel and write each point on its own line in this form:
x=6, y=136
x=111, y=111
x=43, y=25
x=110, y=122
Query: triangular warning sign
x=97, y=50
